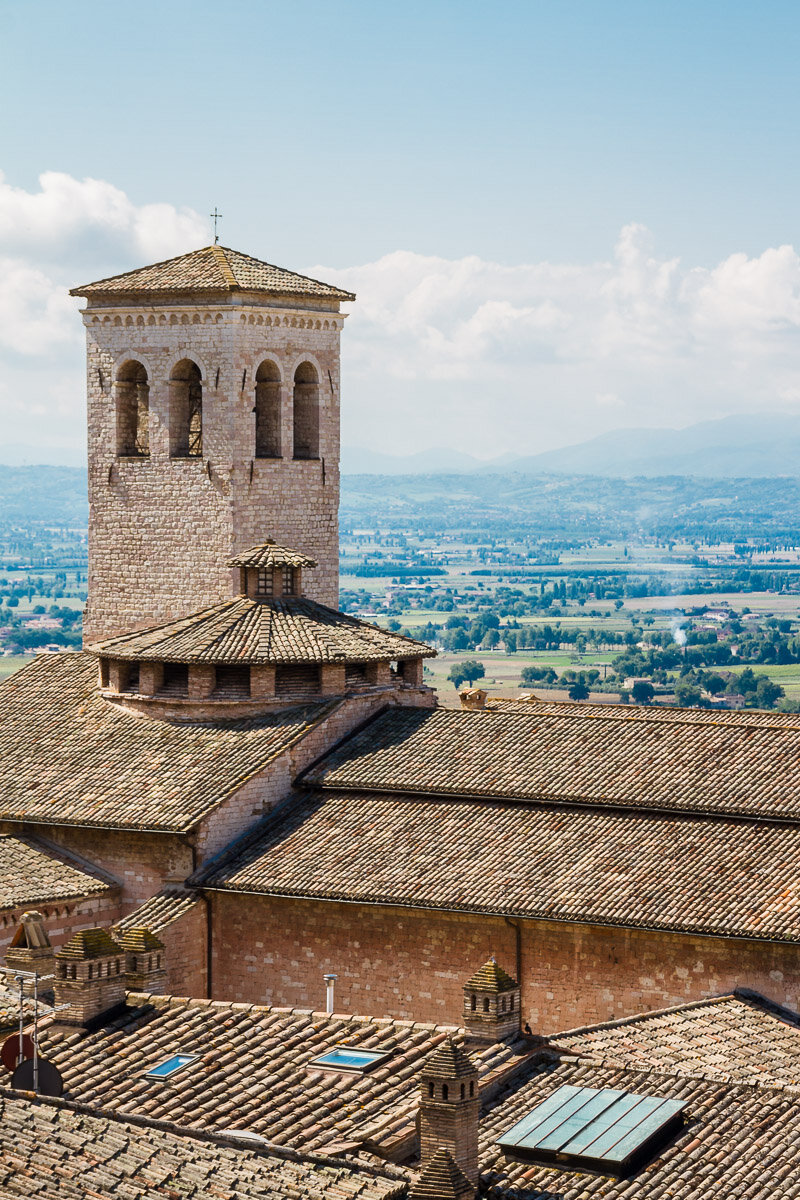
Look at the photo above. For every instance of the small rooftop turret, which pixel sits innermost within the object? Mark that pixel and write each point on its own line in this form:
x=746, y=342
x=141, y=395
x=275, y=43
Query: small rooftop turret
x=145, y=960
x=89, y=976
x=442, y=1179
x=491, y=1004
x=30, y=950
x=269, y=571
x=449, y=1108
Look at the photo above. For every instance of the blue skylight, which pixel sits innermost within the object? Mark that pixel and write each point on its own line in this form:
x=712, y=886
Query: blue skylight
x=170, y=1066
x=343, y=1058
x=598, y=1130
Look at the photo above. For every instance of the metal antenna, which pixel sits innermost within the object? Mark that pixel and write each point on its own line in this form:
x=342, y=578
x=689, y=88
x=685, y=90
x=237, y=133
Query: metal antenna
x=215, y=216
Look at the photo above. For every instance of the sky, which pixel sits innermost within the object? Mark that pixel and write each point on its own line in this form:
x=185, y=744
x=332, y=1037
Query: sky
x=560, y=218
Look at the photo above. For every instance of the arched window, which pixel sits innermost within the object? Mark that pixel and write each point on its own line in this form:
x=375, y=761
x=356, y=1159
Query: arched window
x=268, y=411
x=306, y=412
x=133, y=411
x=485, y=1003
x=445, y=1091
x=186, y=411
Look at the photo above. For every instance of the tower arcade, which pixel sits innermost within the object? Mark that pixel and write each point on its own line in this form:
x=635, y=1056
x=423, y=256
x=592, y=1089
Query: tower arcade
x=213, y=412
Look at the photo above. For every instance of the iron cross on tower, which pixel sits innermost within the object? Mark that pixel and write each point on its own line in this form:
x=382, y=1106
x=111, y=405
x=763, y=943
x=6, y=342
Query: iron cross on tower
x=215, y=216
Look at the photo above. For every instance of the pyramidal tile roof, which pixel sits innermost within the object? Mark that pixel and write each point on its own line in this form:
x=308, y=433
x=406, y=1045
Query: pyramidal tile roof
x=442, y=1179
x=90, y=943
x=448, y=1061
x=491, y=978
x=213, y=269
x=139, y=939
x=289, y=630
x=269, y=554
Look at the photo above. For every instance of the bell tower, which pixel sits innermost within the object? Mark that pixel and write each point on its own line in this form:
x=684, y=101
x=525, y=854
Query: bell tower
x=213, y=412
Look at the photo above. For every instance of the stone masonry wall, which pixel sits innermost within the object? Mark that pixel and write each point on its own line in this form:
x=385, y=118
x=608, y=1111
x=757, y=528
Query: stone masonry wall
x=407, y=963
x=161, y=529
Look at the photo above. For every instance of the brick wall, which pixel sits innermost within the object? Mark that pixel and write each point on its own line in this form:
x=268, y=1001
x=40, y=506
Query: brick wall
x=411, y=964
x=141, y=862
x=161, y=529
x=185, y=953
x=63, y=917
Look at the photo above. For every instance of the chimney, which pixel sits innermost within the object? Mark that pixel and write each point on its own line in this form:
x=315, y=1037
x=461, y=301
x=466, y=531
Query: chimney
x=473, y=698
x=491, y=1004
x=30, y=950
x=145, y=961
x=442, y=1179
x=449, y=1109
x=89, y=976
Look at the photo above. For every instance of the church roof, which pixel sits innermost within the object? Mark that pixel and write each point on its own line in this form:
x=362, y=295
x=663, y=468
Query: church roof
x=285, y=630
x=740, y=1036
x=68, y=757
x=269, y=554
x=212, y=269
x=32, y=873
x=725, y=878
x=746, y=763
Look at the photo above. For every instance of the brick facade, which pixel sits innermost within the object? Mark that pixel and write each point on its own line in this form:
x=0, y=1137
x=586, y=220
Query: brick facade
x=62, y=917
x=162, y=528
x=409, y=963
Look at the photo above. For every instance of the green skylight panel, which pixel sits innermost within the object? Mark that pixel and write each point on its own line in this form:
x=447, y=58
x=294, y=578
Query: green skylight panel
x=594, y=1129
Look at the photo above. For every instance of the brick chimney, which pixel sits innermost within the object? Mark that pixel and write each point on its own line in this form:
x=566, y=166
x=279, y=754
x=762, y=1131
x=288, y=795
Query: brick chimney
x=145, y=962
x=473, y=698
x=442, y=1179
x=491, y=1004
x=449, y=1108
x=89, y=976
x=30, y=950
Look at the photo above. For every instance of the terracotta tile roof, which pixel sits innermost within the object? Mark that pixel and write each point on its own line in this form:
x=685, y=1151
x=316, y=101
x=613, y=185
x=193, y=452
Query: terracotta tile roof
x=90, y=943
x=726, y=877
x=736, y=1037
x=212, y=269
x=254, y=1069
x=448, y=1061
x=56, y=1151
x=491, y=978
x=287, y=630
x=161, y=910
x=733, y=766
x=34, y=873
x=269, y=554
x=442, y=1179
x=738, y=1141
x=138, y=938
x=69, y=757
x=669, y=714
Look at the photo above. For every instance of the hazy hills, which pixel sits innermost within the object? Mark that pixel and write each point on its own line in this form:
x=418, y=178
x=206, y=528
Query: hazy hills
x=734, y=447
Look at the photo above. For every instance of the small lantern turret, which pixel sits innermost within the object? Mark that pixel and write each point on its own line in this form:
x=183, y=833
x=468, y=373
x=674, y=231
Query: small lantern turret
x=491, y=1004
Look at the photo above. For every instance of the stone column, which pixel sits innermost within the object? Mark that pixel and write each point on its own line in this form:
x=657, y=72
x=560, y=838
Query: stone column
x=332, y=679
x=262, y=682
x=202, y=681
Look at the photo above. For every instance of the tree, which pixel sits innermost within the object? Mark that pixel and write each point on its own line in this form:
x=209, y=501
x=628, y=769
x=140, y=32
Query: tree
x=643, y=692
x=715, y=684
x=687, y=693
x=578, y=691
x=466, y=672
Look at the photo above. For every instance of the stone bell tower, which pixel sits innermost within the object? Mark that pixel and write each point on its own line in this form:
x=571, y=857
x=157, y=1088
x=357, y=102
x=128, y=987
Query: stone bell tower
x=213, y=410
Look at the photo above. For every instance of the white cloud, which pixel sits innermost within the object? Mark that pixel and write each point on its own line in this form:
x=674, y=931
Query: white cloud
x=491, y=358
x=65, y=233
x=482, y=356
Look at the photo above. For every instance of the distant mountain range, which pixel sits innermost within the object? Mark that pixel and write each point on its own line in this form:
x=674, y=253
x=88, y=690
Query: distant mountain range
x=733, y=447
